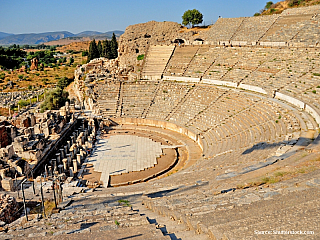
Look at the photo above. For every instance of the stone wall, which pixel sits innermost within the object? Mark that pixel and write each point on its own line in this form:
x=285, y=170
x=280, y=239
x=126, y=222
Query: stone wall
x=161, y=124
x=138, y=37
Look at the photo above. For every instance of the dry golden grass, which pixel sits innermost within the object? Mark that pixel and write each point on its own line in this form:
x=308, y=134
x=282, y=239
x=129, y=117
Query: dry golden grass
x=76, y=46
x=37, y=79
x=282, y=5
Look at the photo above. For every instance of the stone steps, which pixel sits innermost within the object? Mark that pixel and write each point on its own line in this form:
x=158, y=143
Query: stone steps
x=156, y=61
x=85, y=218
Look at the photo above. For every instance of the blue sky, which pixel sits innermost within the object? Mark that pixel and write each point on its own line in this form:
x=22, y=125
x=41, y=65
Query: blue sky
x=35, y=16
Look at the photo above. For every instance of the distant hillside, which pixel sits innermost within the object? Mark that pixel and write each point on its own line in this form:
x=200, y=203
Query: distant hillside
x=39, y=38
x=34, y=38
x=87, y=34
x=279, y=7
x=3, y=35
x=82, y=37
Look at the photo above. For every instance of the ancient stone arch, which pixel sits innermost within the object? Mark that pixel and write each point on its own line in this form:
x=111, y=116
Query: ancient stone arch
x=179, y=40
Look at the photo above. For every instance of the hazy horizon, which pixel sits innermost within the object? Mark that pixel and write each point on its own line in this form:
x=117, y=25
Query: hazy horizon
x=24, y=17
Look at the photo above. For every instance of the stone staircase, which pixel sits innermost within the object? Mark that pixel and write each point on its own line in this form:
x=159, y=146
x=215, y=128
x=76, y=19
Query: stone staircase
x=156, y=61
x=85, y=218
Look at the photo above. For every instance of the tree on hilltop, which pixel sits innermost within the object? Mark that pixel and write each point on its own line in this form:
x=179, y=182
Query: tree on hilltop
x=192, y=17
x=268, y=5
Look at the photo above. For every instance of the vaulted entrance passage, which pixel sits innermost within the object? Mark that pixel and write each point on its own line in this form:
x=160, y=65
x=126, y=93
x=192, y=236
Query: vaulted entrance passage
x=178, y=40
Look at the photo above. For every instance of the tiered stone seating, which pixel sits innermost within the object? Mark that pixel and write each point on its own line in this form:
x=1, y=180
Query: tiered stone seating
x=156, y=61
x=225, y=61
x=253, y=28
x=180, y=60
x=308, y=36
x=197, y=101
x=224, y=29
x=137, y=97
x=201, y=61
x=224, y=107
x=168, y=96
x=286, y=28
x=261, y=122
x=238, y=214
x=108, y=98
x=276, y=70
x=302, y=10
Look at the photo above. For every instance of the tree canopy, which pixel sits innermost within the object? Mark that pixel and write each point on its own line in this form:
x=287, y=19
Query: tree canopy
x=93, y=50
x=57, y=97
x=106, y=48
x=192, y=17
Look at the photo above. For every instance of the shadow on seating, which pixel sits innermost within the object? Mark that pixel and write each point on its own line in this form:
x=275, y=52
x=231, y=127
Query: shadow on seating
x=301, y=142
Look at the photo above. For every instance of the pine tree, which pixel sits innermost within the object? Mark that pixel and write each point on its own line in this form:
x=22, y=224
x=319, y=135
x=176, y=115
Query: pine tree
x=93, y=51
x=114, y=46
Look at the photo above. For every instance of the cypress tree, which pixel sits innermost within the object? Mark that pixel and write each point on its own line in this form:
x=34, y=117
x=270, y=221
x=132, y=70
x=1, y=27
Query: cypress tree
x=106, y=48
x=114, y=47
x=93, y=51
x=100, y=48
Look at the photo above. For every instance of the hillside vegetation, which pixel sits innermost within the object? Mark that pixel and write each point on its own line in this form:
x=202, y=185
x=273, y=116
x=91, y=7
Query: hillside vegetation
x=279, y=7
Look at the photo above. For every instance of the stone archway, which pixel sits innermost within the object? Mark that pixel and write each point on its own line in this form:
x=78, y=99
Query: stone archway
x=198, y=41
x=179, y=41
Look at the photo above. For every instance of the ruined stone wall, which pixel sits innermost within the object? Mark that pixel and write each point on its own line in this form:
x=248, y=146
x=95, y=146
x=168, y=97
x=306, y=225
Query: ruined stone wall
x=136, y=39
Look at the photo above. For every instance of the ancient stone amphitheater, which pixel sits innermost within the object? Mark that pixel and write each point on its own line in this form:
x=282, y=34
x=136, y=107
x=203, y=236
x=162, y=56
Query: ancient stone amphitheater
x=240, y=100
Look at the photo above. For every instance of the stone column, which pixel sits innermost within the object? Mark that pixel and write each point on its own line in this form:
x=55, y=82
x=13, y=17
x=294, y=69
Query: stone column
x=71, y=171
x=54, y=165
x=50, y=171
x=62, y=152
x=60, y=168
x=79, y=159
x=69, y=159
x=3, y=173
x=82, y=153
x=75, y=167
x=66, y=150
x=65, y=164
x=75, y=151
x=58, y=157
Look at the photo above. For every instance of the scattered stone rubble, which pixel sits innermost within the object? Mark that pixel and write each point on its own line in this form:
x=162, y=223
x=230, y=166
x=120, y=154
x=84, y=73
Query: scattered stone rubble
x=8, y=206
x=12, y=98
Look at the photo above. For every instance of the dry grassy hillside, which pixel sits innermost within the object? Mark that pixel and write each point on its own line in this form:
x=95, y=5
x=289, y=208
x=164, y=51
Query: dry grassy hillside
x=279, y=7
x=67, y=41
x=75, y=46
x=39, y=79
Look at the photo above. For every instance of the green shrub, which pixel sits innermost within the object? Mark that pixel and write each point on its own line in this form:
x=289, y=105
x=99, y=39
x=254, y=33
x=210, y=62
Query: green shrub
x=23, y=103
x=2, y=76
x=272, y=10
x=140, y=57
x=54, y=100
